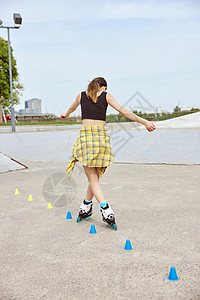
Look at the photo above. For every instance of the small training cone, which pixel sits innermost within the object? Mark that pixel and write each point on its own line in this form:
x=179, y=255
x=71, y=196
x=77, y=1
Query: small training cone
x=69, y=216
x=16, y=192
x=93, y=229
x=30, y=198
x=128, y=245
x=172, y=274
x=49, y=205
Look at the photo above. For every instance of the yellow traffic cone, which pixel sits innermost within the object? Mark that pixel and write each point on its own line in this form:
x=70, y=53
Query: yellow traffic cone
x=30, y=198
x=16, y=192
x=49, y=205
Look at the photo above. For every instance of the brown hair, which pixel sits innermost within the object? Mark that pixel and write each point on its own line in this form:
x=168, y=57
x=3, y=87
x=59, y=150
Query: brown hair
x=94, y=87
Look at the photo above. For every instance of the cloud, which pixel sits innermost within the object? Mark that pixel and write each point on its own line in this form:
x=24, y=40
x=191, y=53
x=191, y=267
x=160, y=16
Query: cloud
x=54, y=11
x=38, y=11
x=51, y=11
x=150, y=10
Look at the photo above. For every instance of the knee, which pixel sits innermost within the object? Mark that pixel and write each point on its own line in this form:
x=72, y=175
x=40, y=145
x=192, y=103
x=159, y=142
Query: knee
x=93, y=178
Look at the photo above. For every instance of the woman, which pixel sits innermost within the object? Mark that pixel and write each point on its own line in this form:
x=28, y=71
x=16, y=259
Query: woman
x=93, y=148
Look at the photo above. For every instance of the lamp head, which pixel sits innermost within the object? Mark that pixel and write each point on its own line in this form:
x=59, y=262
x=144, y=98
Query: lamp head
x=17, y=19
x=1, y=22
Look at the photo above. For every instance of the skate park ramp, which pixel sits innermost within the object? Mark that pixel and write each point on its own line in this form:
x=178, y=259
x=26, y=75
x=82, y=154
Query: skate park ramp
x=188, y=121
x=9, y=164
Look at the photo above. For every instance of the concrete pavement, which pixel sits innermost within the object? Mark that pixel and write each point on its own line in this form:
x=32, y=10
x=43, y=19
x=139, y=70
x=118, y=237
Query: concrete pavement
x=45, y=256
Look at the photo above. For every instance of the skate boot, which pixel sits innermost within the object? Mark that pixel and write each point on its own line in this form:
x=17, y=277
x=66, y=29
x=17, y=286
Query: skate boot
x=108, y=216
x=85, y=211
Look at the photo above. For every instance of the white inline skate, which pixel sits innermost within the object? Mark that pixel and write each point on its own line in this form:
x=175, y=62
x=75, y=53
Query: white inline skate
x=85, y=211
x=108, y=216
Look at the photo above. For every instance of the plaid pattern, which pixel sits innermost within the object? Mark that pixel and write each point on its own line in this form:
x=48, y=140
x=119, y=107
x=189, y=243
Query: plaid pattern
x=92, y=149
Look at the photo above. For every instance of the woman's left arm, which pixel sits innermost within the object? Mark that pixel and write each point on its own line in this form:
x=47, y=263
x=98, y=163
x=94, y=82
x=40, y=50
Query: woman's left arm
x=73, y=107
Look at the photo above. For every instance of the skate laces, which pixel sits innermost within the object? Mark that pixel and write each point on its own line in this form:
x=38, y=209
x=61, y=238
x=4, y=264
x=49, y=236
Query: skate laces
x=85, y=207
x=108, y=212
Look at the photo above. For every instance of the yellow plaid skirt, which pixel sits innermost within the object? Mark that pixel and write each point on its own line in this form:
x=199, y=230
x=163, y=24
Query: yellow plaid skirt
x=92, y=149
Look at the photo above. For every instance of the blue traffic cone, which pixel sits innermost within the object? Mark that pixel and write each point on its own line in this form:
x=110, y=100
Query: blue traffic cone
x=172, y=274
x=69, y=216
x=92, y=229
x=128, y=245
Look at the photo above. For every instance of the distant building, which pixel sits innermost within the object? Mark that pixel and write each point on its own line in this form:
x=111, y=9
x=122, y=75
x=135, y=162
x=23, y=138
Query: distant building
x=27, y=112
x=33, y=107
x=26, y=104
x=34, y=104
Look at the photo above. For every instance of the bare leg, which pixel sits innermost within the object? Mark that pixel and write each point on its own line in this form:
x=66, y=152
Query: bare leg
x=94, y=188
x=90, y=194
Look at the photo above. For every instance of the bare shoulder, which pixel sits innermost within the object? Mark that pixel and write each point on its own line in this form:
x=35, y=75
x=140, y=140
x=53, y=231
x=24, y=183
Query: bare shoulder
x=79, y=97
x=112, y=102
x=76, y=102
x=109, y=98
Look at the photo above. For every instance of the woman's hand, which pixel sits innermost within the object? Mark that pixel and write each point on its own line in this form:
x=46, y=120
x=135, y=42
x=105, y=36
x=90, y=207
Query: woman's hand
x=63, y=115
x=150, y=126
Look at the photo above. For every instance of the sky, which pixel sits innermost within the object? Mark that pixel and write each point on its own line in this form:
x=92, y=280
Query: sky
x=151, y=47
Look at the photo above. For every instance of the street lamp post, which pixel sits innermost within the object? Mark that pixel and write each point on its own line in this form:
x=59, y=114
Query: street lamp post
x=18, y=21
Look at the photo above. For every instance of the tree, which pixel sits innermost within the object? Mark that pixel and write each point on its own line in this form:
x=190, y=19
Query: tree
x=5, y=97
x=177, y=108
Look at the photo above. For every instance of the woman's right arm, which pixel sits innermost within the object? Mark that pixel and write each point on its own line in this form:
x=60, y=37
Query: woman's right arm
x=129, y=114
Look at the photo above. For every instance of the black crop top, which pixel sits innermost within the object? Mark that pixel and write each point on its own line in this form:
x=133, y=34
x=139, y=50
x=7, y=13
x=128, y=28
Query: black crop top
x=91, y=110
